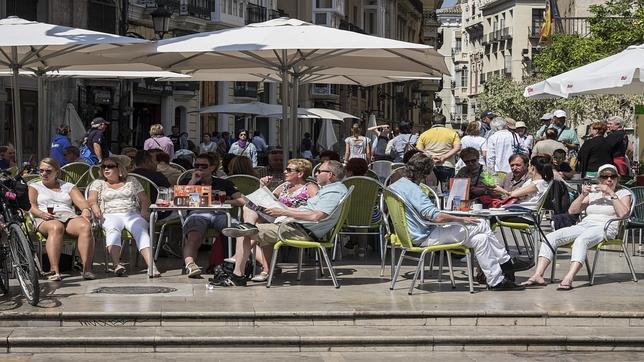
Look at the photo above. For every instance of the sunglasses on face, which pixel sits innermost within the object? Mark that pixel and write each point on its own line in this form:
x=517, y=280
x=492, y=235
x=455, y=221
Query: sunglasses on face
x=243, y=134
x=110, y=166
x=201, y=166
x=605, y=177
x=470, y=162
x=320, y=171
x=559, y=158
x=289, y=170
x=46, y=172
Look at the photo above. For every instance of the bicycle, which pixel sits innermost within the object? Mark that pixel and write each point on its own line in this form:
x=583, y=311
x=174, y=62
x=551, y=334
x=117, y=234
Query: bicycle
x=17, y=252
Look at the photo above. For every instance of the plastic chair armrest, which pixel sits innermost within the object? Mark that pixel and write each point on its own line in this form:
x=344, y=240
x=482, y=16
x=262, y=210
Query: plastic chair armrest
x=610, y=221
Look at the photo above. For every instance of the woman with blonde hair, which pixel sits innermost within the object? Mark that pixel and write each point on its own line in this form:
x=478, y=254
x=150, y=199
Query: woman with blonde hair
x=293, y=192
x=158, y=140
x=52, y=207
x=357, y=146
x=120, y=201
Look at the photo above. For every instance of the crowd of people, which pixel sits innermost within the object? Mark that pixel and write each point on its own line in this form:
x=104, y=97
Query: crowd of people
x=523, y=166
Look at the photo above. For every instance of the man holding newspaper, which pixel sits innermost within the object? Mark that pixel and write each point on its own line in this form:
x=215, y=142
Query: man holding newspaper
x=315, y=222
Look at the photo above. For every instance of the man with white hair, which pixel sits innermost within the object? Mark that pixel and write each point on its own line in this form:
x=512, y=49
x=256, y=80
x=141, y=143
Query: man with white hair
x=499, y=147
x=619, y=139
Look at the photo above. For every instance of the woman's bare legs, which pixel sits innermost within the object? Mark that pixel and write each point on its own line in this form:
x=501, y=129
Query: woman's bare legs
x=537, y=277
x=81, y=228
x=54, y=230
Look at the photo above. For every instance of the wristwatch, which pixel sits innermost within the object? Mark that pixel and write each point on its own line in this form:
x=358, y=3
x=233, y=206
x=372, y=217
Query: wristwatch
x=614, y=197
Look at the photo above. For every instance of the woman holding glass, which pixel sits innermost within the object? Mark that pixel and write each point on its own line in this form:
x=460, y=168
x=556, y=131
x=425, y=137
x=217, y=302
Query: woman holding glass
x=601, y=202
x=52, y=207
x=121, y=203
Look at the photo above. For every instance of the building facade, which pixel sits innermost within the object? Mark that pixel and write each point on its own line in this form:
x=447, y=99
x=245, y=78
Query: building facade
x=452, y=96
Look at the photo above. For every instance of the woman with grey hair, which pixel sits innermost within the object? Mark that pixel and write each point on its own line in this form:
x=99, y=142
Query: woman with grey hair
x=490, y=253
x=499, y=147
x=618, y=139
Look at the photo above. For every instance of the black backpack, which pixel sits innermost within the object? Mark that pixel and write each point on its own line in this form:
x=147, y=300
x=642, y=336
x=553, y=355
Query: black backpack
x=558, y=198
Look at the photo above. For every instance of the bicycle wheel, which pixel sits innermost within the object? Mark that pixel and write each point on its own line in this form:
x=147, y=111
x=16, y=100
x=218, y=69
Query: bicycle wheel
x=5, y=270
x=23, y=263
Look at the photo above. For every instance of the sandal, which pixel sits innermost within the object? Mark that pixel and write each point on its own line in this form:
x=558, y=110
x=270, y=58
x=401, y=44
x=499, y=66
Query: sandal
x=55, y=277
x=261, y=277
x=120, y=270
x=533, y=283
x=155, y=272
x=564, y=287
x=88, y=275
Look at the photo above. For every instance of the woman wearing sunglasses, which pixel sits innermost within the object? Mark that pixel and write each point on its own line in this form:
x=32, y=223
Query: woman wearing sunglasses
x=601, y=202
x=293, y=192
x=52, y=206
x=121, y=203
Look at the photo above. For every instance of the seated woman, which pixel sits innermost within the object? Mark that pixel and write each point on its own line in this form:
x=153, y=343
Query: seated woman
x=52, y=206
x=472, y=170
x=122, y=204
x=293, y=192
x=601, y=202
x=540, y=173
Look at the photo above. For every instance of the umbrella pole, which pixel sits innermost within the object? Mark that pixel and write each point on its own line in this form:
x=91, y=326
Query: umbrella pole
x=294, y=108
x=42, y=123
x=284, y=128
x=17, y=117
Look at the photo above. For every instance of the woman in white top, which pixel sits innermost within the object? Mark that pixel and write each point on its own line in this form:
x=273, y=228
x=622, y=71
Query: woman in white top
x=52, y=206
x=244, y=147
x=122, y=204
x=207, y=145
x=540, y=173
x=602, y=202
x=357, y=146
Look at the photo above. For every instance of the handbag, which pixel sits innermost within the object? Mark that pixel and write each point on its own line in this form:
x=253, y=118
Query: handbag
x=496, y=203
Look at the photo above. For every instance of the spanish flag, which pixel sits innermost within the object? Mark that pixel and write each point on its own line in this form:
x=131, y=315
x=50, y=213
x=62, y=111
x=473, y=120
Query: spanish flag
x=546, y=28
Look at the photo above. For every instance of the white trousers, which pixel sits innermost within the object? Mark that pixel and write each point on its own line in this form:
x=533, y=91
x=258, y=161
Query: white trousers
x=489, y=251
x=582, y=235
x=132, y=222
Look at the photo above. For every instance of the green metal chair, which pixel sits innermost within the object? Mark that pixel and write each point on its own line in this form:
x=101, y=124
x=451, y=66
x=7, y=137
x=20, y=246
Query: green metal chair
x=94, y=173
x=320, y=247
x=382, y=168
x=360, y=219
x=77, y=173
x=636, y=223
x=619, y=240
x=185, y=177
x=401, y=236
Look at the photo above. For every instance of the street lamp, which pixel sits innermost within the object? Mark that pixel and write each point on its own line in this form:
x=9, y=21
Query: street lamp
x=161, y=21
x=438, y=101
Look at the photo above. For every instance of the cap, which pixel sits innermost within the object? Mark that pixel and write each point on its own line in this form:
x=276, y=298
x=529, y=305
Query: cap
x=559, y=114
x=606, y=166
x=521, y=124
x=546, y=116
x=511, y=123
x=488, y=115
x=99, y=121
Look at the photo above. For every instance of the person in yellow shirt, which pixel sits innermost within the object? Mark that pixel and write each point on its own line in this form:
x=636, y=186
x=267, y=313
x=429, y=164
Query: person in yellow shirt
x=442, y=144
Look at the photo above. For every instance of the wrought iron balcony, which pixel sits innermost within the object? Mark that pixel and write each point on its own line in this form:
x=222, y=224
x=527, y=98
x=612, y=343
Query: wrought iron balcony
x=255, y=13
x=245, y=90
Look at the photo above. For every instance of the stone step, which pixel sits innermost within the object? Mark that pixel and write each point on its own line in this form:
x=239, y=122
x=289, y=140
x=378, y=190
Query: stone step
x=616, y=319
x=319, y=338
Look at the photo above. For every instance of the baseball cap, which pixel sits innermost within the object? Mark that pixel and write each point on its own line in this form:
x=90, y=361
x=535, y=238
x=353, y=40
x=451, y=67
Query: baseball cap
x=511, y=123
x=546, y=116
x=521, y=124
x=605, y=167
x=559, y=113
x=488, y=115
x=98, y=121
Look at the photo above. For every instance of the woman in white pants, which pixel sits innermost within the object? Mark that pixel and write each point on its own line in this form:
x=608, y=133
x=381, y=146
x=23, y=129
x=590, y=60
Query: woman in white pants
x=122, y=204
x=601, y=203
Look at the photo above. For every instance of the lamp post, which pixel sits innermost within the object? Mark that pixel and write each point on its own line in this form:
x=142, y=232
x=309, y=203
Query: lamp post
x=161, y=21
x=438, y=101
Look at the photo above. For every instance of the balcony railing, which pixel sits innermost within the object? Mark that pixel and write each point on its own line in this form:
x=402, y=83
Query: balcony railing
x=506, y=33
x=319, y=89
x=572, y=25
x=255, y=13
x=195, y=8
x=455, y=51
x=245, y=89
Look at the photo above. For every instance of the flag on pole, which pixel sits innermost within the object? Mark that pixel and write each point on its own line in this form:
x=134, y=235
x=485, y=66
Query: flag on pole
x=546, y=27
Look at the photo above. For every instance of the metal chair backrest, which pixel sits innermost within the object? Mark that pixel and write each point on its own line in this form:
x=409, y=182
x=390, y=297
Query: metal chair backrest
x=631, y=212
x=364, y=198
x=148, y=186
x=185, y=176
x=396, y=212
x=638, y=206
x=432, y=194
x=372, y=175
x=396, y=165
x=246, y=184
x=95, y=173
x=177, y=166
x=77, y=173
x=343, y=207
x=382, y=168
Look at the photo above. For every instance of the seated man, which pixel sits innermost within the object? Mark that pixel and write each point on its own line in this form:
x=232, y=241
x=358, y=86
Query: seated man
x=313, y=217
x=490, y=252
x=519, y=167
x=197, y=223
x=561, y=167
x=146, y=165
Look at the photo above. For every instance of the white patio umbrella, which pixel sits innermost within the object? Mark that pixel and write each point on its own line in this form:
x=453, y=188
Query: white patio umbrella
x=621, y=73
x=41, y=47
x=274, y=110
x=327, y=137
x=291, y=50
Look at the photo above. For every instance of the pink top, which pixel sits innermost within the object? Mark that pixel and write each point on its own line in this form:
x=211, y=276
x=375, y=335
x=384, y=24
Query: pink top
x=160, y=142
x=295, y=198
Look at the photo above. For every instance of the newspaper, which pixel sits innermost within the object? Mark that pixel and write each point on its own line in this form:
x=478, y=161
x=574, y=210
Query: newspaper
x=263, y=199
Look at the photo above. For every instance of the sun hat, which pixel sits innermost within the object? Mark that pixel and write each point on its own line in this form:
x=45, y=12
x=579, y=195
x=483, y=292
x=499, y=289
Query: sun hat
x=511, y=123
x=520, y=124
x=546, y=117
x=605, y=167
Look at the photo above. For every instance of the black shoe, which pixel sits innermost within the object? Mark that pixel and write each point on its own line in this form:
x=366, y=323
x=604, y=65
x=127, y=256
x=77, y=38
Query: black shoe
x=235, y=281
x=516, y=264
x=506, y=284
x=243, y=229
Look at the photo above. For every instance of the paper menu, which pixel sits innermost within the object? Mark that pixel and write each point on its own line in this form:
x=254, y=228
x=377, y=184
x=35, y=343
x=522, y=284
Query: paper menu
x=192, y=195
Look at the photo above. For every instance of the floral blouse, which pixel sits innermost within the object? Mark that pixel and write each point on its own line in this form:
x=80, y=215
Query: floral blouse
x=295, y=198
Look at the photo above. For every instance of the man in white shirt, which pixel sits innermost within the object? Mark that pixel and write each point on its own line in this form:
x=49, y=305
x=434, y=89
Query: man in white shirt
x=499, y=147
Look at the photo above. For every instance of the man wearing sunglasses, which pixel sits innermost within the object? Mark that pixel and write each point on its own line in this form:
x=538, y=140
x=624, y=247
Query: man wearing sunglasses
x=313, y=218
x=197, y=223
